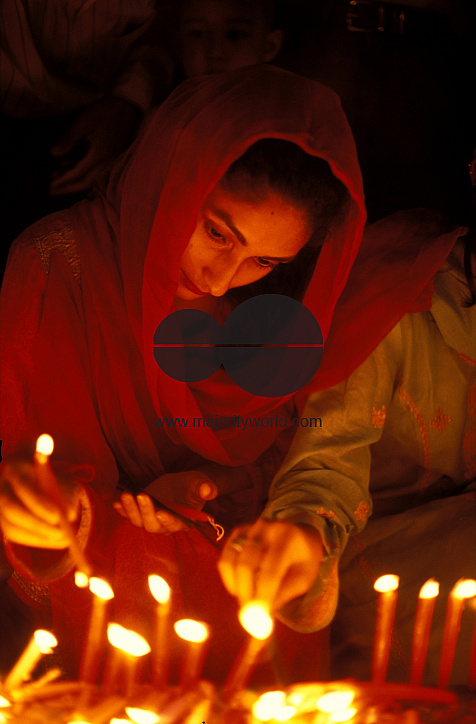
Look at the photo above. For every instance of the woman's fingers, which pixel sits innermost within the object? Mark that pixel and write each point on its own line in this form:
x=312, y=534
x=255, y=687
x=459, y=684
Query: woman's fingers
x=142, y=513
x=271, y=561
x=21, y=526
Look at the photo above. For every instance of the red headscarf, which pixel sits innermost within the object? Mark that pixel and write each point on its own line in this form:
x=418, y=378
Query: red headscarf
x=96, y=385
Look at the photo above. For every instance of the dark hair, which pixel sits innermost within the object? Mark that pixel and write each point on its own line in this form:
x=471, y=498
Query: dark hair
x=307, y=182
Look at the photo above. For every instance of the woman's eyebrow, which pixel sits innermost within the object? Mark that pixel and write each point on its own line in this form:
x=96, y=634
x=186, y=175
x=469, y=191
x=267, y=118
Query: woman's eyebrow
x=226, y=218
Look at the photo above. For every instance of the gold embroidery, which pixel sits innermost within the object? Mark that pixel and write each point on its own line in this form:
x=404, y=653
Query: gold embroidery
x=362, y=512
x=59, y=237
x=378, y=417
x=440, y=420
x=425, y=440
x=325, y=513
x=39, y=593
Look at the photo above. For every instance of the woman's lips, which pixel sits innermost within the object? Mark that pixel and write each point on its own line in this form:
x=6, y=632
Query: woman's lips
x=191, y=286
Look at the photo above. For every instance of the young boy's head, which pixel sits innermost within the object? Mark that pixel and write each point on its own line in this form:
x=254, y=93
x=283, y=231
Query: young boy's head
x=217, y=36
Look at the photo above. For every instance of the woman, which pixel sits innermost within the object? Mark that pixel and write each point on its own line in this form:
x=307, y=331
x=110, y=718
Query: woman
x=78, y=362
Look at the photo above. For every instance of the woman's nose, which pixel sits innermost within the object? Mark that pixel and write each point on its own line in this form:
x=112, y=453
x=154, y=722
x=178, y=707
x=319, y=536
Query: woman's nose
x=219, y=278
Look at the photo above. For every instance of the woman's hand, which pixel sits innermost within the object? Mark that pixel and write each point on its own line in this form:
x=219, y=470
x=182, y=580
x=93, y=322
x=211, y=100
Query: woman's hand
x=273, y=561
x=192, y=489
x=27, y=516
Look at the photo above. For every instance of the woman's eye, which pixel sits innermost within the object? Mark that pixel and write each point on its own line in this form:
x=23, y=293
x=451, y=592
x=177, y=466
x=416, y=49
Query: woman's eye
x=266, y=263
x=215, y=234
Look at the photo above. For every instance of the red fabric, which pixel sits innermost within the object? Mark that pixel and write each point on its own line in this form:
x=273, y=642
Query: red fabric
x=93, y=382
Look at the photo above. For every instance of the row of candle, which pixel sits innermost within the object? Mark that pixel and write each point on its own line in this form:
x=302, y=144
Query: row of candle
x=387, y=587
x=128, y=647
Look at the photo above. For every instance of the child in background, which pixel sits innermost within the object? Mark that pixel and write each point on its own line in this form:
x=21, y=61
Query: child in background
x=217, y=36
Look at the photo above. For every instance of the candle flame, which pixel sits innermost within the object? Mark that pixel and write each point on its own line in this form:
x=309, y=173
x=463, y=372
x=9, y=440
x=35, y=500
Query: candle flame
x=430, y=589
x=45, y=445
x=335, y=701
x=344, y=715
x=159, y=588
x=255, y=618
x=142, y=716
x=101, y=588
x=191, y=630
x=466, y=588
x=4, y=702
x=115, y=720
x=129, y=641
x=45, y=640
x=387, y=583
x=268, y=705
x=81, y=579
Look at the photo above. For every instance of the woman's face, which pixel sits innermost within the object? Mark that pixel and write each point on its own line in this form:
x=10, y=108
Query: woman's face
x=239, y=240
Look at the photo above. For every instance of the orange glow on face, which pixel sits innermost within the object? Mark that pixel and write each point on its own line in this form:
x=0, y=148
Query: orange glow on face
x=387, y=583
x=159, y=588
x=101, y=588
x=128, y=641
x=45, y=445
x=464, y=589
x=256, y=620
x=45, y=641
x=430, y=589
x=191, y=630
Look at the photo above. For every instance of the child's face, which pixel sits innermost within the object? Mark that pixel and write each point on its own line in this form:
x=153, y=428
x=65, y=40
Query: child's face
x=217, y=36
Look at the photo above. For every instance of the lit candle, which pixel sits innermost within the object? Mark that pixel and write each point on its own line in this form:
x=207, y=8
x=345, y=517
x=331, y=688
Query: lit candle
x=387, y=586
x=42, y=642
x=256, y=620
x=161, y=649
x=49, y=484
x=196, y=634
x=463, y=589
x=472, y=661
x=142, y=716
x=129, y=648
x=421, y=632
x=96, y=638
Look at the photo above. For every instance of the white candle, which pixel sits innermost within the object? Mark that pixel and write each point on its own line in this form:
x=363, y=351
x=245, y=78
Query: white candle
x=42, y=642
x=161, y=648
x=195, y=634
x=463, y=589
x=421, y=632
x=49, y=484
x=387, y=586
x=472, y=661
x=130, y=647
x=256, y=620
x=96, y=637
